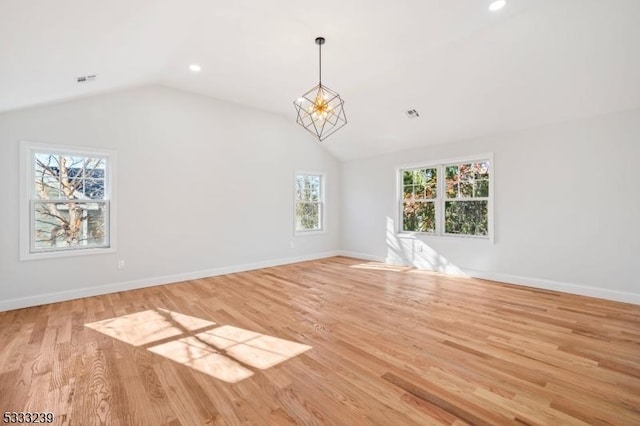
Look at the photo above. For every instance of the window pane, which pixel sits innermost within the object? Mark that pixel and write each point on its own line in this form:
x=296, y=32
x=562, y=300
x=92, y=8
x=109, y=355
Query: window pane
x=465, y=172
x=47, y=183
x=94, y=189
x=70, y=174
x=308, y=188
x=482, y=170
x=94, y=168
x=427, y=175
x=467, y=180
x=420, y=183
x=73, y=186
x=465, y=190
x=299, y=187
x=70, y=224
x=73, y=163
x=308, y=216
x=466, y=217
x=481, y=177
x=47, y=162
x=419, y=191
x=452, y=189
x=482, y=188
x=47, y=187
x=451, y=173
x=419, y=216
x=407, y=191
x=407, y=177
x=60, y=176
x=431, y=182
x=451, y=181
x=314, y=193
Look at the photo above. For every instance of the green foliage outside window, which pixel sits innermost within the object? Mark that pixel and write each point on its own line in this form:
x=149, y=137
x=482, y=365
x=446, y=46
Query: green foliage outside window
x=466, y=218
x=467, y=184
x=465, y=203
x=420, y=188
x=467, y=180
x=308, y=202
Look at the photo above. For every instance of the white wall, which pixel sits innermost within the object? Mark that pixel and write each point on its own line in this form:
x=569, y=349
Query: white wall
x=567, y=199
x=567, y=209
x=203, y=187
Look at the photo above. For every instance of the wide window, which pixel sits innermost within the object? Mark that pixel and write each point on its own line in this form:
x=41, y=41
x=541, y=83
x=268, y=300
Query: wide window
x=67, y=198
x=309, y=203
x=449, y=198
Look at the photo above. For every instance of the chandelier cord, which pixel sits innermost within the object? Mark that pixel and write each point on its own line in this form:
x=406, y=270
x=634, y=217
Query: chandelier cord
x=320, y=62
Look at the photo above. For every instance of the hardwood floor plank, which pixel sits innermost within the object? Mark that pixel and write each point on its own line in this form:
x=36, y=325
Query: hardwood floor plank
x=389, y=346
x=446, y=402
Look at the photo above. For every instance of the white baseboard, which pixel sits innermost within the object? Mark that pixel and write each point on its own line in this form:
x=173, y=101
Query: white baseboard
x=582, y=290
x=61, y=296
x=362, y=256
x=42, y=299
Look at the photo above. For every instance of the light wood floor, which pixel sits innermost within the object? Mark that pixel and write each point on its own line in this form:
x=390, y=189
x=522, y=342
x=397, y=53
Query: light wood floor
x=389, y=346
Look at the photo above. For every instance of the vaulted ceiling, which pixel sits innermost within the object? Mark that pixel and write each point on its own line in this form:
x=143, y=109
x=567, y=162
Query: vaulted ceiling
x=467, y=71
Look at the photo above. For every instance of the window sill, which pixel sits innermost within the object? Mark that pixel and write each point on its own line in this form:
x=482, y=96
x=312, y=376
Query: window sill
x=309, y=233
x=445, y=237
x=66, y=253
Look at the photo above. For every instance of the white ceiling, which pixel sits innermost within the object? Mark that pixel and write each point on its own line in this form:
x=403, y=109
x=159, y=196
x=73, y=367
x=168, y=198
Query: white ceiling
x=467, y=71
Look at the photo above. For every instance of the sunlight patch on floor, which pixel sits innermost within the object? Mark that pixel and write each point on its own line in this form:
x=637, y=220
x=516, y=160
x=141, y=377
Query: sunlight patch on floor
x=376, y=266
x=198, y=355
x=421, y=267
x=254, y=349
x=224, y=352
x=149, y=326
x=452, y=272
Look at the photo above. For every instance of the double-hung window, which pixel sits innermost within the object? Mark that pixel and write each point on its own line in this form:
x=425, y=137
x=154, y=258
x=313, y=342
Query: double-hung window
x=448, y=198
x=66, y=202
x=309, y=203
x=466, y=204
x=419, y=199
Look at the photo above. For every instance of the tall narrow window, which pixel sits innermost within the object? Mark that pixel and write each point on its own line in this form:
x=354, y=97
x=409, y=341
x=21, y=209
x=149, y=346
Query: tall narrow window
x=309, y=205
x=449, y=198
x=68, y=193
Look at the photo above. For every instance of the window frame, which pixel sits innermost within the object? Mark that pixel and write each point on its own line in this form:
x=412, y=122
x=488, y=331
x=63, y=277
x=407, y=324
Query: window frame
x=321, y=202
x=28, y=199
x=434, y=201
x=441, y=199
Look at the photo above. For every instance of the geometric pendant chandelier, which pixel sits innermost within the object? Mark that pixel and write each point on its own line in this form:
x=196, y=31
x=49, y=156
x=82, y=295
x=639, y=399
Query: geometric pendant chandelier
x=320, y=110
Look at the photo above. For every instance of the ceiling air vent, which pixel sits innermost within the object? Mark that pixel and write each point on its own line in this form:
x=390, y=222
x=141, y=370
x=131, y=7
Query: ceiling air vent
x=85, y=78
x=412, y=113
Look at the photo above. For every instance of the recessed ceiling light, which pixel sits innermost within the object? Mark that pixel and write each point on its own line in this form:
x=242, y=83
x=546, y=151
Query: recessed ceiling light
x=497, y=5
x=195, y=67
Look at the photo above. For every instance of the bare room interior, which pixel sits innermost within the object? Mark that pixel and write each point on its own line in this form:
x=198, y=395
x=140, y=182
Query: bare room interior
x=419, y=212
